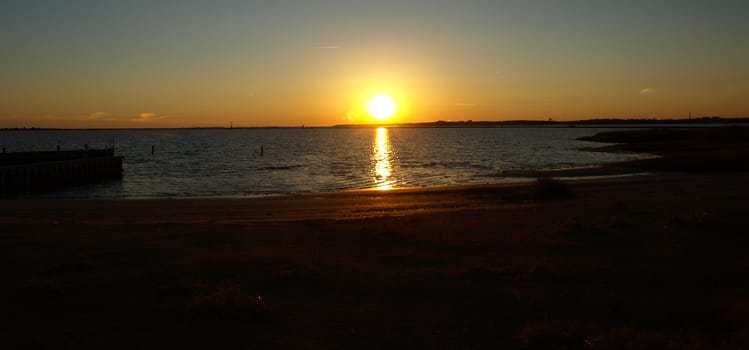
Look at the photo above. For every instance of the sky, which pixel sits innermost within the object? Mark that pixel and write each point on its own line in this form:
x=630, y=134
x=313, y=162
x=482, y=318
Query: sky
x=187, y=63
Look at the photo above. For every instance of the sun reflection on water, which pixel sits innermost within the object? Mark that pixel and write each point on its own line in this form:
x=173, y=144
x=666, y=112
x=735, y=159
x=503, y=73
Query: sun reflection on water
x=382, y=167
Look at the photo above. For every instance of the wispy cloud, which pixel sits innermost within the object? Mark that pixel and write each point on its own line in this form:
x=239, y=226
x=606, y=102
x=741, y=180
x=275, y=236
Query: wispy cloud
x=142, y=117
x=647, y=90
x=148, y=117
x=326, y=47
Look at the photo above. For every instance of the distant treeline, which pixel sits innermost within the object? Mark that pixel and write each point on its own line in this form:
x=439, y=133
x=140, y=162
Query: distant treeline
x=32, y=128
x=571, y=123
x=470, y=123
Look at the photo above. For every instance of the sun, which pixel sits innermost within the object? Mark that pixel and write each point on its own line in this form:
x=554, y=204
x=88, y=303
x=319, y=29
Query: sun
x=381, y=107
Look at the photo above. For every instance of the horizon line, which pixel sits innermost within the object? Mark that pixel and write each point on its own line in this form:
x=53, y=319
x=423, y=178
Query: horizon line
x=436, y=123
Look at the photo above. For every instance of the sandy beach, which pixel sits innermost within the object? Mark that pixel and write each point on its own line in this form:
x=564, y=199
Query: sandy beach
x=654, y=261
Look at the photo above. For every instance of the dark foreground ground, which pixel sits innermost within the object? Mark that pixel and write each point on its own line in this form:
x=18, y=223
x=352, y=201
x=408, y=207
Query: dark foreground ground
x=635, y=263
x=657, y=262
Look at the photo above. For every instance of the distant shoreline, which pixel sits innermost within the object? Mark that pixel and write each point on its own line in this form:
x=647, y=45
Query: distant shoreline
x=584, y=123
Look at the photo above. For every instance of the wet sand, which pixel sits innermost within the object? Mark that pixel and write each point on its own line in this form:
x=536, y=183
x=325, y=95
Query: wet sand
x=652, y=262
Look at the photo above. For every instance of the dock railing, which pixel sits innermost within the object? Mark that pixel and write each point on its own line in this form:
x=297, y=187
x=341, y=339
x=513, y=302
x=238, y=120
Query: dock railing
x=33, y=171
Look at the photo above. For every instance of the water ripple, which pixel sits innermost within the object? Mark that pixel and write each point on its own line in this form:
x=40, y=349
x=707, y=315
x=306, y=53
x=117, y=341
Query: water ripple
x=221, y=162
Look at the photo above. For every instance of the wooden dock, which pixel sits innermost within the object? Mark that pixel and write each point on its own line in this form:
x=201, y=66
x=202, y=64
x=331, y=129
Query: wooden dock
x=24, y=172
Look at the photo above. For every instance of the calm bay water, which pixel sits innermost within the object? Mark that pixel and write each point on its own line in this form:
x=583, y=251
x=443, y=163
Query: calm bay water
x=228, y=162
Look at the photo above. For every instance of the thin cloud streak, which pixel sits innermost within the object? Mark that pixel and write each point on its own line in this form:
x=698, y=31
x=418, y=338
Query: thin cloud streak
x=148, y=117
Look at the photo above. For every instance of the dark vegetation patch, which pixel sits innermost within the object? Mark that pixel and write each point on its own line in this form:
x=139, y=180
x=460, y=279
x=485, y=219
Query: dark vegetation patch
x=719, y=149
x=639, y=136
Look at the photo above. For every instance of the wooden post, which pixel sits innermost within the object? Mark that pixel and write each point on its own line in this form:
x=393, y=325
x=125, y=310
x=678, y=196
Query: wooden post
x=153, y=150
x=261, y=151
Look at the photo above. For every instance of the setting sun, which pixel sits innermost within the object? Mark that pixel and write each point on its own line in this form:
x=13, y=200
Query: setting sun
x=381, y=107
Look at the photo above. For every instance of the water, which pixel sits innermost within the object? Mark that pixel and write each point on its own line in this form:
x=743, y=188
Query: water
x=228, y=162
